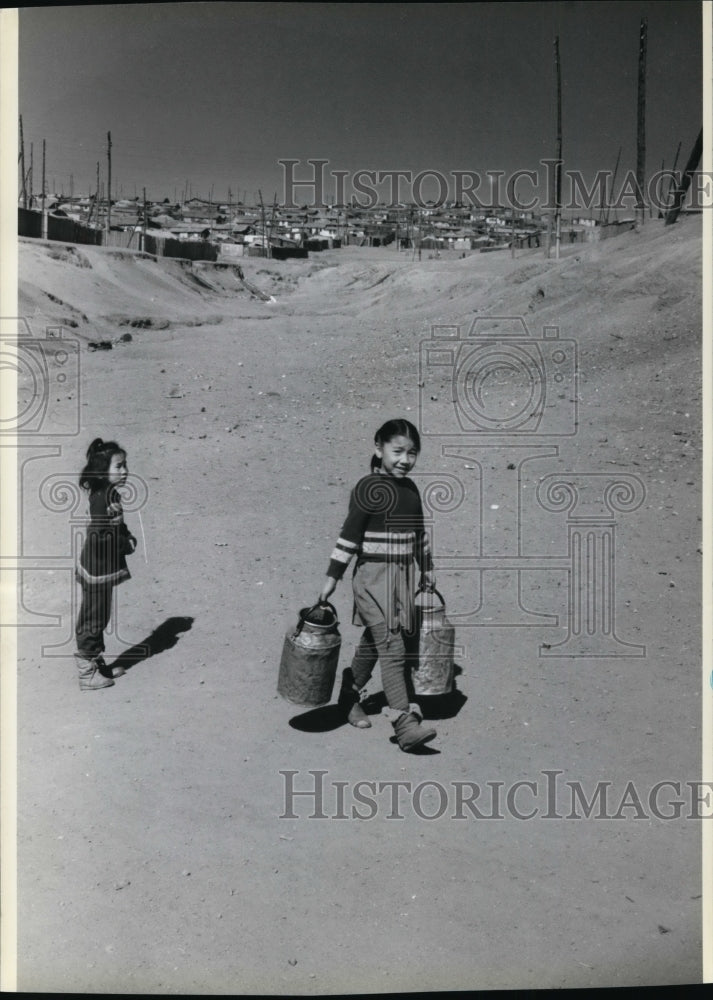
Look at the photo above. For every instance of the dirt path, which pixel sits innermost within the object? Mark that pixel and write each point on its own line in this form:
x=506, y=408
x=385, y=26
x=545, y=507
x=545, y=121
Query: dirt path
x=153, y=850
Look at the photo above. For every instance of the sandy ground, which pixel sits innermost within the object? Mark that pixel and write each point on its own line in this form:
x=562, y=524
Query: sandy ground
x=154, y=852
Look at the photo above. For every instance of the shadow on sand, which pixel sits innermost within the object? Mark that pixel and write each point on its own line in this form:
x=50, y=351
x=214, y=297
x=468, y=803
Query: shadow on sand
x=329, y=717
x=164, y=637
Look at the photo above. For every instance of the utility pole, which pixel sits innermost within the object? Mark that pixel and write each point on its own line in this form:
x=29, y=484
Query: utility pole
x=512, y=245
x=693, y=160
x=31, y=171
x=108, y=184
x=611, y=192
x=22, y=166
x=44, y=217
x=641, y=126
x=671, y=182
x=272, y=218
x=558, y=164
x=262, y=216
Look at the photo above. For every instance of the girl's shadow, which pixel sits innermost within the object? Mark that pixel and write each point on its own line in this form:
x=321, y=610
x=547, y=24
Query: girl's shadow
x=330, y=717
x=164, y=637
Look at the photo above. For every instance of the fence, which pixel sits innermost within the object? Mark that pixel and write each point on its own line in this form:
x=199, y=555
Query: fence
x=185, y=249
x=29, y=223
x=59, y=227
x=285, y=253
x=69, y=231
x=124, y=239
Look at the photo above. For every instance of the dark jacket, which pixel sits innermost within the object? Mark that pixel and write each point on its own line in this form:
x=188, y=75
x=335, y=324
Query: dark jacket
x=108, y=541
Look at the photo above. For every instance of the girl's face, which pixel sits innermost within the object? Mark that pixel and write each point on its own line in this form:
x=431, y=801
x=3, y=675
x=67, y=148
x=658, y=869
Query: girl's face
x=398, y=456
x=118, y=469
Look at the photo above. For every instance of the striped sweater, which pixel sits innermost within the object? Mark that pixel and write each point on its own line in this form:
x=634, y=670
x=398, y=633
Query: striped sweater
x=384, y=524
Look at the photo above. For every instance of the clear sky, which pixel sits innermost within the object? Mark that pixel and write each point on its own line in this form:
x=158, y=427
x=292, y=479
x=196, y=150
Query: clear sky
x=211, y=96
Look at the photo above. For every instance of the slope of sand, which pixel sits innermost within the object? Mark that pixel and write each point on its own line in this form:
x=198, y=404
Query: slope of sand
x=152, y=854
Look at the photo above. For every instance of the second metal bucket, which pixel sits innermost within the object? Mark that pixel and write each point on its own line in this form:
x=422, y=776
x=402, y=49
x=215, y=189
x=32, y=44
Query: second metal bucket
x=433, y=665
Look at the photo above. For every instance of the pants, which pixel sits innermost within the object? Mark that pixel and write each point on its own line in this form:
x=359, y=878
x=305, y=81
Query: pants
x=379, y=643
x=93, y=618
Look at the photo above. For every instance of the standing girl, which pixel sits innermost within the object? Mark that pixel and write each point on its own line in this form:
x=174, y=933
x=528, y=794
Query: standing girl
x=102, y=564
x=384, y=530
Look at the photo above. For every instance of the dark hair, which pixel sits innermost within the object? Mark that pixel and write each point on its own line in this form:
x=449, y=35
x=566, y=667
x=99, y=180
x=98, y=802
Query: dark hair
x=390, y=430
x=99, y=456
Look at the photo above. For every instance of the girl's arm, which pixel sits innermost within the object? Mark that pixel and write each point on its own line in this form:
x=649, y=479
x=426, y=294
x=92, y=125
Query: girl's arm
x=349, y=541
x=330, y=585
x=424, y=558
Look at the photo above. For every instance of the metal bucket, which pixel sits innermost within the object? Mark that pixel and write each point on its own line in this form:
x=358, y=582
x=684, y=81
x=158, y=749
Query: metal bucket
x=433, y=667
x=309, y=657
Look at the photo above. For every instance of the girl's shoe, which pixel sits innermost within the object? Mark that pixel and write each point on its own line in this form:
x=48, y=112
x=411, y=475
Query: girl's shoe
x=349, y=703
x=90, y=675
x=410, y=733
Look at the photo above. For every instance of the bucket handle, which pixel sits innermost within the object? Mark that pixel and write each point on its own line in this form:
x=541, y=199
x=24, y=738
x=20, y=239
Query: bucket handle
x=319, y=604
x=438, y=594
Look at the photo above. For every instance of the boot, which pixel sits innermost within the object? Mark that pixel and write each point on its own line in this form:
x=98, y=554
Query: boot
x=90, y=675
x=348, y=702
x=409, y=731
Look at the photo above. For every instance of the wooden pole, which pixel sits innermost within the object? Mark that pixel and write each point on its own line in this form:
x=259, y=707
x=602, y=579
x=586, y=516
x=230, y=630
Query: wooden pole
x=108, y=185
x=44, y=217
x=512, y=245
x=262, y=217
x=693, y=160
x=613, y=183
x=641, y=126
x=558, y=164
x=31, y=171
x=272, y=224
x=22, y=166
x=673, y=173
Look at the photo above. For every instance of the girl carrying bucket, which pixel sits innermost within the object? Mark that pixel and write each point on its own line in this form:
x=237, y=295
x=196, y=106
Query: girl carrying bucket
x=102, y=564
x=384, y=530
